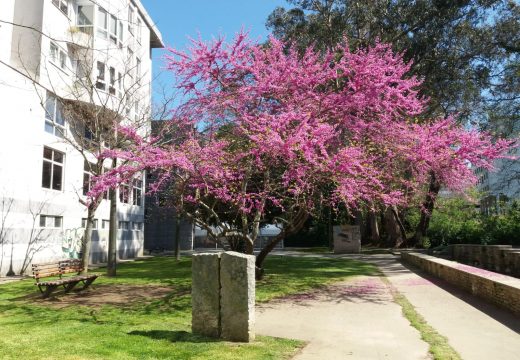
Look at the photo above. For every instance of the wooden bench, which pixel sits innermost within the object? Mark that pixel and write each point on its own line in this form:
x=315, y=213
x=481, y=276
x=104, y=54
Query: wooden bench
x=58, y=269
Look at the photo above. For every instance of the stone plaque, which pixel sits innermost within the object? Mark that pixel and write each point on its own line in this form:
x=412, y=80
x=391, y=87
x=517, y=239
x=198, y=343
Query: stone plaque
x=347, y=239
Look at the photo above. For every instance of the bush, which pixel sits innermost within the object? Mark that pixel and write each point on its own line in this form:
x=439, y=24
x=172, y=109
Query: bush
x=457, y=221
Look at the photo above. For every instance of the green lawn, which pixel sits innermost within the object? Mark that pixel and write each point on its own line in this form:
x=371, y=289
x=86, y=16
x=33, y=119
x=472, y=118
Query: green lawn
x=144, y=329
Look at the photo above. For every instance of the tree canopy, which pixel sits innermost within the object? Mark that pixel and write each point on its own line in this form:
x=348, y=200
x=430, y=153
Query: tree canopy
x=275, y=127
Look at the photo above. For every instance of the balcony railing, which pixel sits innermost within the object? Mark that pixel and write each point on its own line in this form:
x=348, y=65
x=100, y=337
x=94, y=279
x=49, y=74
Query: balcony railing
x=82, y=35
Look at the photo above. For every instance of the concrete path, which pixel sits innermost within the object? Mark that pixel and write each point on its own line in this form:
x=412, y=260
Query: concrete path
x=351, y=320
x=475, y=329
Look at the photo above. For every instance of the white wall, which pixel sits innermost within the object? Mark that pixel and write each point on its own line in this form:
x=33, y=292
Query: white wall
x=22, y=139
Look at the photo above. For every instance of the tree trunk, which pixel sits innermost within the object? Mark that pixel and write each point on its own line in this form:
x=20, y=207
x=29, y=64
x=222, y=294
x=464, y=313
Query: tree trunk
x=249, y=247
x=177, y=237
x=402, y=229
x=375, y=237
x=330, y=231
x=293, y=228
x=427, y=209
x=87, y=240
x=393, y=233
x=360, y=221
x=112, y=235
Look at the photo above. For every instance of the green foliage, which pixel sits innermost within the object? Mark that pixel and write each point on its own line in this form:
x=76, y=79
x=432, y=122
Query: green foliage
x=458, y=221
x=466, y=51
x=148, y=329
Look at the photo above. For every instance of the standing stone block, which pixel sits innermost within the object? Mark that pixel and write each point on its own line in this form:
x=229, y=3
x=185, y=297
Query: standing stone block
x=237, y=296
x=205, y=295
x=347, y=239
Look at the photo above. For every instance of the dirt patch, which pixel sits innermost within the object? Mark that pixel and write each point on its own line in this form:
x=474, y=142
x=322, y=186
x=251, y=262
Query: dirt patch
x=115, y=295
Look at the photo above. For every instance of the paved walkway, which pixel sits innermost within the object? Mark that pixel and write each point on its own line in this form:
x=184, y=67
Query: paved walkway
x=351, y=320
x=360, y=321
x=475, y=329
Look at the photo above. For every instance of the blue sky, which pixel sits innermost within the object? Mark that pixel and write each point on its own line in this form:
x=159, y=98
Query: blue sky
x=177, y=19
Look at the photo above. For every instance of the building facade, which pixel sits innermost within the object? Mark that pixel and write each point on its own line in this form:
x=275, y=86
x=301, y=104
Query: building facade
x=57, y=55
x=501, y=186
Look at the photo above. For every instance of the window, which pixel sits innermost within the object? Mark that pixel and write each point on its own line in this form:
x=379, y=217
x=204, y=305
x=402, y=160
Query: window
x=54, y=120
x=139, y=30
x=87, y=177
x=112, y=84
x=105, y=224
x=136, y=110
x=137, y=192
x=52, y=172
x=51, y=221
x=131, y=13
x=57, y=56
x=131, y=64
x=85, y=18
x=120, y=84
x=62, y=5
x=113, y=29
x=84, y=223
x=124, y=193
x=53, y=53
x=138, y=70
x=100, y=82
x=137, y=226
x=123, y=225
x=120, y=33
x=102, y=23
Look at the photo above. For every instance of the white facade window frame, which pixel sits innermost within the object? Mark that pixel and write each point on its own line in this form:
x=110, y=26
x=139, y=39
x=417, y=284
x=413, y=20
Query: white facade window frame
x=123, y=225
x=101, y=76
x=102, y=23
x=58, y=56
x=112, y=81
x=138, y=69
x=139, y=29
x=131, y=17
x=54, y=119
x=113, y=29
x=84, y=223
x=62, y=5
x=51, y=221
x=137, y=191
x=54, y=162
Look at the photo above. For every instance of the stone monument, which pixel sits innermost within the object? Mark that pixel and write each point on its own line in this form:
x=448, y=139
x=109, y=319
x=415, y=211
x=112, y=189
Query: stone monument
x=223, y=296
x=237, y=297
x=205, y=294
x=347, y=239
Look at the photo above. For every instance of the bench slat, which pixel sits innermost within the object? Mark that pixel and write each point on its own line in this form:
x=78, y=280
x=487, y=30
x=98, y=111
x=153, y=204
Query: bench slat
x=46, y=266
x=38, y=275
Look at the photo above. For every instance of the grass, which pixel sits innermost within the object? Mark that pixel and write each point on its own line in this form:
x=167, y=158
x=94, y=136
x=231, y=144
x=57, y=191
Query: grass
x=149, y=330
x=438, y=344
x=316, y=250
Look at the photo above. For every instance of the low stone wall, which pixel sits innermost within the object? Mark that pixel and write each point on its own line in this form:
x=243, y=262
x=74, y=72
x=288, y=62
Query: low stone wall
x=498, y=289
x=500, y=258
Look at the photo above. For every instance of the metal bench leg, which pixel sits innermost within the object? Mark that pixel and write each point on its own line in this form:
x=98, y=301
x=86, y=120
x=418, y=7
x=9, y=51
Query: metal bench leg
x=49, y=290
x=70, y=286
x=86, y=283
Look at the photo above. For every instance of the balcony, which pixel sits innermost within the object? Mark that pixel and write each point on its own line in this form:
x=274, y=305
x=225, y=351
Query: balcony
x=82, y=36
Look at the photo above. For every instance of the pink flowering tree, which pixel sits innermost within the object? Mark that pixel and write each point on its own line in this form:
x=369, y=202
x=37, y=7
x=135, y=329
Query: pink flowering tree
x=269, y=135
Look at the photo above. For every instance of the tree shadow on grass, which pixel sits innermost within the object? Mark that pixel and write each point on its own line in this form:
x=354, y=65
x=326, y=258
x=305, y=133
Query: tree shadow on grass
x=173, y=336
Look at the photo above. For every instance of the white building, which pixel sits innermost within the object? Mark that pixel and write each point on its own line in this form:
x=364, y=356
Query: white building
x=501, y=186
x=80, y=51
